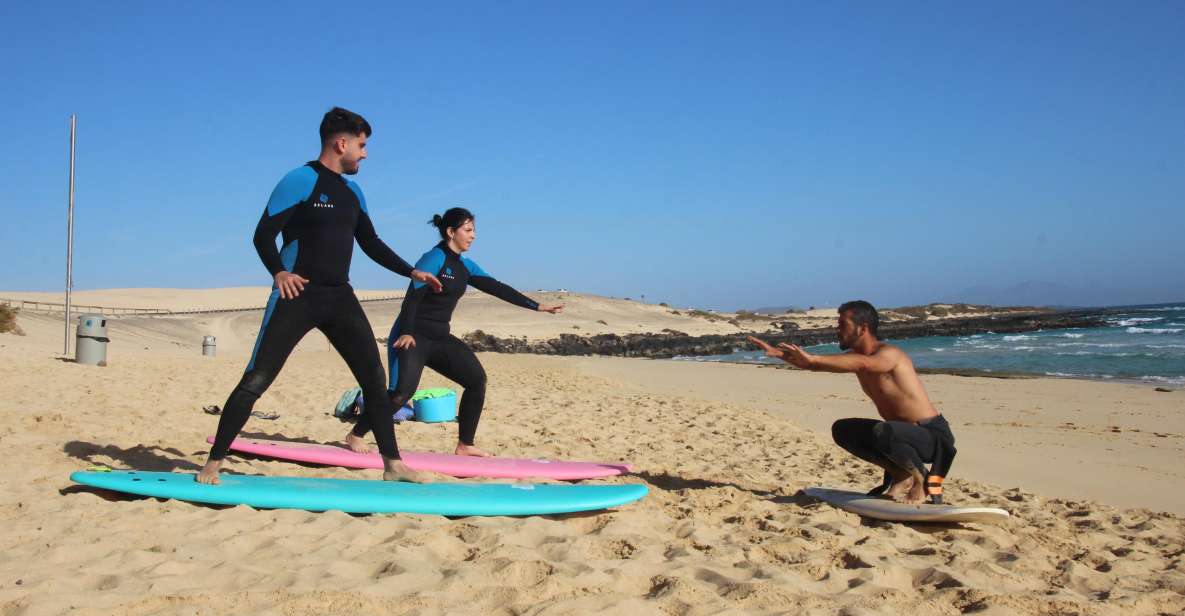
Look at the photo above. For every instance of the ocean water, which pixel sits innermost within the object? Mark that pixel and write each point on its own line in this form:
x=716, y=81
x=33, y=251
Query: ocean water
x=1144, y=344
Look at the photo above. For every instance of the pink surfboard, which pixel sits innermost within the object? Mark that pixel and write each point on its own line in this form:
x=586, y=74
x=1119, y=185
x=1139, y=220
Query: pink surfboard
x=448, y=464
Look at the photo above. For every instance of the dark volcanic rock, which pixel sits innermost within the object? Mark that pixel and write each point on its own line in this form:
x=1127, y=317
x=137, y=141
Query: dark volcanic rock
x=671, y=344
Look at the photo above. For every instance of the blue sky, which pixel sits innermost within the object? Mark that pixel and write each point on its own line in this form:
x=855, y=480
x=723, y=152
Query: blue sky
x=713, y=154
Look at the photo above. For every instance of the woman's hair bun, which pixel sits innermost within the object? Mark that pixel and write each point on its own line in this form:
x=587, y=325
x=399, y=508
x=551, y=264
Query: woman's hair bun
x=453, y=218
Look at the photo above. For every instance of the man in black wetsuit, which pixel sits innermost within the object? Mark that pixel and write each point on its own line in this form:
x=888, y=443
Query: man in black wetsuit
x=320, y=213
x=913, y=432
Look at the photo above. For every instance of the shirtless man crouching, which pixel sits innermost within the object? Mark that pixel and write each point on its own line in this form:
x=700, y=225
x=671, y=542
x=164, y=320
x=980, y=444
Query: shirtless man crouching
x=913, y=432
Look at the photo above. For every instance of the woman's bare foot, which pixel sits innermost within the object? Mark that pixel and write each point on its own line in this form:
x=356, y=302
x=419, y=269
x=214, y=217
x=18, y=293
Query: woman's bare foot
x=396, y=470
x=470, y=450
x=356, y=443
x=209, y=472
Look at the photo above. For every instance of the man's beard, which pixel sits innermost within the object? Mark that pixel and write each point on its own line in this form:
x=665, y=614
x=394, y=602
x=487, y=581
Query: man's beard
x=350, y=168
x=843, y=346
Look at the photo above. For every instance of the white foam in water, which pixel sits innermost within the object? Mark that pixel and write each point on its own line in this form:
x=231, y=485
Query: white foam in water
x=1135, y=321
x=1109, y=354
x=1079, y=376
x=1018, y=337
x=1072, y=335
x=1154, y=330
x=1171, y=380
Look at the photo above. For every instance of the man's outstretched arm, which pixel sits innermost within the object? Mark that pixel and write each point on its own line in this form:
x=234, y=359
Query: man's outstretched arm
x=883, y=360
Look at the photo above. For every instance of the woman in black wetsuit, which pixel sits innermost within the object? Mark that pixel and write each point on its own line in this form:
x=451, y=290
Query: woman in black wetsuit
x=420, y=336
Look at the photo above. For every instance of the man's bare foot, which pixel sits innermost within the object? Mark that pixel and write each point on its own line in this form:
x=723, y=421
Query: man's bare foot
x=209, y=472
x=356, y=443
x=396, y=470
x=470, y=450
x=916, y=494
x=899, y=489
x=913, y=494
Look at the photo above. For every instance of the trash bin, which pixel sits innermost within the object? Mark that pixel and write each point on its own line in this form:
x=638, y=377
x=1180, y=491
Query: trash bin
x=209, y=346
x=91, y=345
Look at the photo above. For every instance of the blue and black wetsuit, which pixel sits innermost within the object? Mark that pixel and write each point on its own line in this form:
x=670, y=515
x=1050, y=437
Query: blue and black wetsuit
x=320, y=215
x=425, y=317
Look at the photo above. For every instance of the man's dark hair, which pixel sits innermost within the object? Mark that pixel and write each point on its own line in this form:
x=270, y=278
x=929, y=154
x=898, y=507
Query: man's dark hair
x=862, y=314
x=338, y=121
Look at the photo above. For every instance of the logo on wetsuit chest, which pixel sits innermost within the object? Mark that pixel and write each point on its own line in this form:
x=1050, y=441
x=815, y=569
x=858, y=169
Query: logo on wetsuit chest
x=323, y=201
x=448, y=273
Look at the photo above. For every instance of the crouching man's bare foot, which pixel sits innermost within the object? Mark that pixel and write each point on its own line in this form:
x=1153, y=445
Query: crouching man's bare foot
x=470, y=450
x=901, y=486
x=396, y=470
x=915, y=494
x=209, y=472
x=357, y=444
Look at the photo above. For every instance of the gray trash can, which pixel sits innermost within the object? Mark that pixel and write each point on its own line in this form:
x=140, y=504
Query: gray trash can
x=209, y=346
x=91, y=345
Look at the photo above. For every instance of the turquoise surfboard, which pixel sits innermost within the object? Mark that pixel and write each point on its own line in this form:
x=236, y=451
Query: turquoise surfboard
x=368, y=496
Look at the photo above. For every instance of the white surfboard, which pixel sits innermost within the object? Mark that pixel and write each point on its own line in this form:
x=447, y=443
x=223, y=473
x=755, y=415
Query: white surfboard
x=884, y=509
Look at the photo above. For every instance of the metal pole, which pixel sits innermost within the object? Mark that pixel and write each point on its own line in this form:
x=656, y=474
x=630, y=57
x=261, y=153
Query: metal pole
x=70, y=240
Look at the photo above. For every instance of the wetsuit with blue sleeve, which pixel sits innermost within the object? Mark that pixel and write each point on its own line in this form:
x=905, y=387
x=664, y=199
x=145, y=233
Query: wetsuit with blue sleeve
x=320, y=215
x=425, y=317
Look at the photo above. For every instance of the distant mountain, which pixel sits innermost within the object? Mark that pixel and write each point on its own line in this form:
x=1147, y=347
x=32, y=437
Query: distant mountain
x=777, y=309
x=1053, y=294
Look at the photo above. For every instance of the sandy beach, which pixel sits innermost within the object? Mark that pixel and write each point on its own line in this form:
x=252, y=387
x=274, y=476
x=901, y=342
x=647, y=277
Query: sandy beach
x=1089, y=471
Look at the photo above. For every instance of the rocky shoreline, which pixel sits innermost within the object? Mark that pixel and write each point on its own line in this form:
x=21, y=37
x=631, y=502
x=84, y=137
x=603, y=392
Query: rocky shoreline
x=672, y=343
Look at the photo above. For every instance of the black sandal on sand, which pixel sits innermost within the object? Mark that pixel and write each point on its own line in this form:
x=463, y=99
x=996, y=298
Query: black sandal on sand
x=214, y=409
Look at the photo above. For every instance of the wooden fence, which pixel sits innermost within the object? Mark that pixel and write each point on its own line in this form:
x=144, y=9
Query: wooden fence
x=55, y=308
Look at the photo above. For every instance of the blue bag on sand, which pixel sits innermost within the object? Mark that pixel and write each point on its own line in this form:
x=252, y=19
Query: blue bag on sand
x=352, y=404
x=349, y=405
